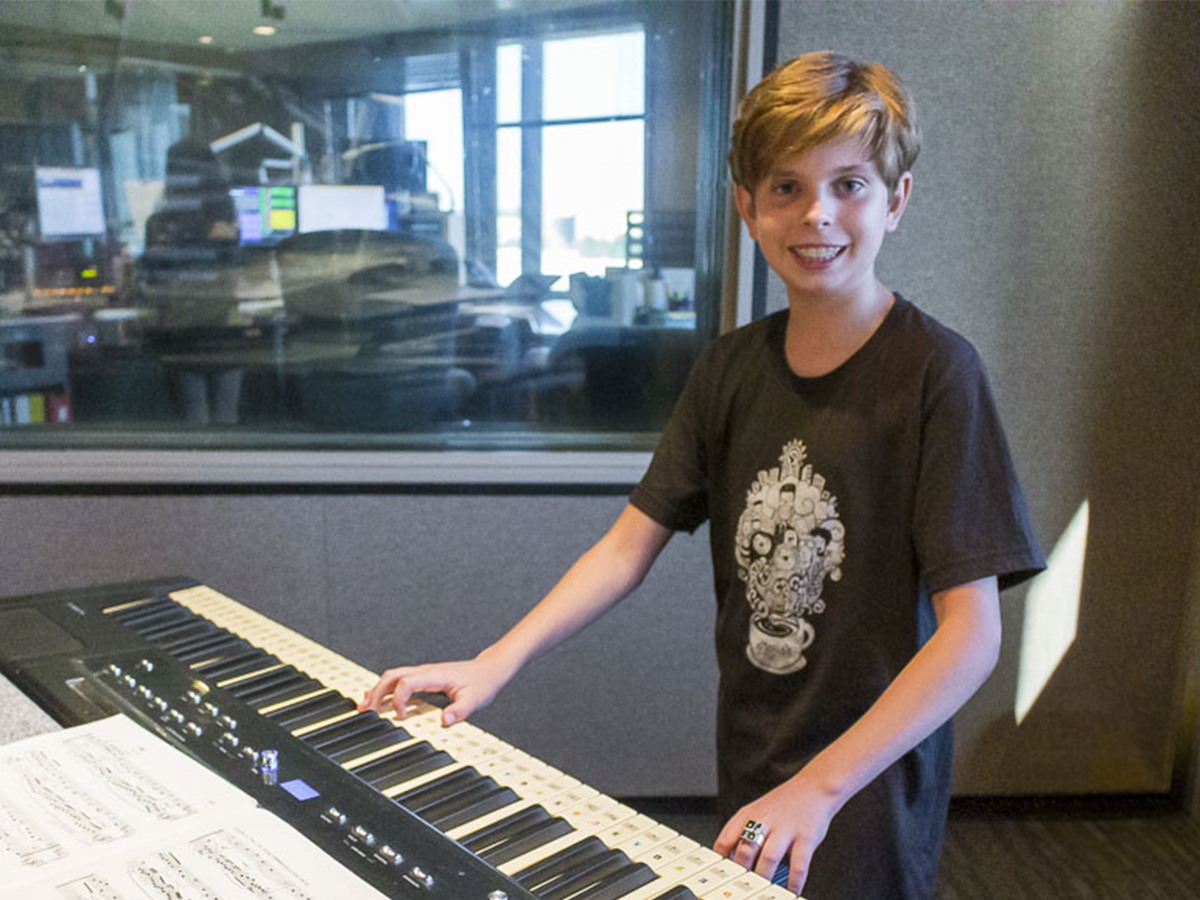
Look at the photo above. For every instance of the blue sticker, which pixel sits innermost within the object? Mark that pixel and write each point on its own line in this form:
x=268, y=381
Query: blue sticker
x=298, y=789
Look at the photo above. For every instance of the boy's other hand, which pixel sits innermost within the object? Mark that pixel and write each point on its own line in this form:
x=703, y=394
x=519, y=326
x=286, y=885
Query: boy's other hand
x=795, y=818
x=470, y=685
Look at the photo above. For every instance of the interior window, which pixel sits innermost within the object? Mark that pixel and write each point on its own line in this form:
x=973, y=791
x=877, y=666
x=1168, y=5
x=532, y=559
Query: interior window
x=464, y=226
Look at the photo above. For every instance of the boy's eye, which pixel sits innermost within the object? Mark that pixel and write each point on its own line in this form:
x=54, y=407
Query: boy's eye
x=853, y=185
x=784, y=188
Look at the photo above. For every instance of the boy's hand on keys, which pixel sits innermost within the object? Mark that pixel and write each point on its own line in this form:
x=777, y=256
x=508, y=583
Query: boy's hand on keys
x=794, y=817
x=470, y=685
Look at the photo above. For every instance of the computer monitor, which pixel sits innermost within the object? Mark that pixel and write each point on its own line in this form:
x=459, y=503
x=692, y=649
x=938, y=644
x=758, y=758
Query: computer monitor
x=69, y=202
x=266, y=214
x=333, y=207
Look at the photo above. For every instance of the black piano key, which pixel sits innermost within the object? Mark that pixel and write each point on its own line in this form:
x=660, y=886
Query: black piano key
x=179, y=633
x=529, y=839
x=779, y=879
x=289, y=689
x=617, y=884
x=563, y=864
x=168, y=627
x=356, y=747
x=589, y=872
x=439, y=789
x=287, y=715
x=254, y=683
x=203, y=631
x=469, y=806
x=141, y=607
x=327, y=708
x=354, y=737
x=409, y=763
x=210, y=636
x=235, y=665
x=193, y=632
x=364, y=721
x=224, y=645
x=130, y=618
x=458, y=800
x=173, y=613
x=679, y=892
x=228, y=677
x=500, y=831
x=393, y=761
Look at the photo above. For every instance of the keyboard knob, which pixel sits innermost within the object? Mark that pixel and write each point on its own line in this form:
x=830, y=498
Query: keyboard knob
x=421, y=876
x=268, y=767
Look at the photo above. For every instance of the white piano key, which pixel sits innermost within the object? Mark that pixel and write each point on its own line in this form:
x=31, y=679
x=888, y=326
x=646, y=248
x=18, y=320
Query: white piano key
x=773, y=892
x=712, y=877
x=674, y=872
x=560, y=803
x=587, y=818
x=745, y=887
x=646, y=840
x=623, y=831
x=660, y=856
x=465, y=741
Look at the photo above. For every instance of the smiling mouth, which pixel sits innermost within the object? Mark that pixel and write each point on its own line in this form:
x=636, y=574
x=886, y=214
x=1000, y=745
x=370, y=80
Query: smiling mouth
x=817, y=254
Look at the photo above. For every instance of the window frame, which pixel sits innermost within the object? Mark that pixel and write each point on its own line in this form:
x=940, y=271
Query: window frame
x=601, y=458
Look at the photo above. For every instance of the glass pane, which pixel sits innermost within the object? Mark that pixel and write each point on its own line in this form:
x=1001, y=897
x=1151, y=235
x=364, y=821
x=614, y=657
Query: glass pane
x=601, y=75
x=434, y=119
x=345, y=234
x=508, y=83
x=592, y=180
x=508, y=205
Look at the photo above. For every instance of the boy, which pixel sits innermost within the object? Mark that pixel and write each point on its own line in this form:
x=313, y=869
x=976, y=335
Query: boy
x=863, y=514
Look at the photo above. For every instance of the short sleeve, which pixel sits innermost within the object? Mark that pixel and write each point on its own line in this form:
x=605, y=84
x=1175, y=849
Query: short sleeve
x=674, y=490
x=970, y=518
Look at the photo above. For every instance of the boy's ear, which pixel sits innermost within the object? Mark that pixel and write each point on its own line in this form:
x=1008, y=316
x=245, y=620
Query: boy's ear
x=745, y=204
x=899, y=200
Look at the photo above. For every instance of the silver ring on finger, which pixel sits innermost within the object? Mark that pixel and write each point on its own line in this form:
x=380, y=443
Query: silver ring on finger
x=753, y=833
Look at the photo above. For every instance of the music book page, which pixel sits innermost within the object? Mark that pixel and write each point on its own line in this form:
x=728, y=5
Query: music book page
x=108, y=811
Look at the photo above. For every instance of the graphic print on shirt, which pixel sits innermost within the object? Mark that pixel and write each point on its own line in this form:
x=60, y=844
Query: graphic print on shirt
x=788, y=539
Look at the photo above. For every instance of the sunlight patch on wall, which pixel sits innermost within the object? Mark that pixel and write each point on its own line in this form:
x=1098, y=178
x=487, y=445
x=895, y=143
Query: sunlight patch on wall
x=1052, y=613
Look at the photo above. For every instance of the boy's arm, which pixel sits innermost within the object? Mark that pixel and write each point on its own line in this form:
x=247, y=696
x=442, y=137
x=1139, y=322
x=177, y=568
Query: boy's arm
x=604, y=575
x=951, y=666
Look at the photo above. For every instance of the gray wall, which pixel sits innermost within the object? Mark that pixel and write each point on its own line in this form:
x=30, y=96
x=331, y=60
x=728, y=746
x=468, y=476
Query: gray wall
x=627, y=707
x=1054, y=223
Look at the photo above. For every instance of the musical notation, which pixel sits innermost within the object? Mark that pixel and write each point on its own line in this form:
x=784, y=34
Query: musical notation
x=205, y=840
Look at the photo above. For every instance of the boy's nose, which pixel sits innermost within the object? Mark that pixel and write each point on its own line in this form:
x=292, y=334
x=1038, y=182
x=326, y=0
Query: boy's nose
x=818, y=214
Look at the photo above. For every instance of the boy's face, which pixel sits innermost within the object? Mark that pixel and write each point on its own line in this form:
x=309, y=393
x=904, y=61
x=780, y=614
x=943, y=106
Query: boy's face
x=820, y=217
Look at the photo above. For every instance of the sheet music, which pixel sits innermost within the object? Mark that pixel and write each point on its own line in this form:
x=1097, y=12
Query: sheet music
x=248, y=855
x=108, y=811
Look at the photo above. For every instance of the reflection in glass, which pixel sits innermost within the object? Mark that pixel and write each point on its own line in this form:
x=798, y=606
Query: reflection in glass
x=470, y=227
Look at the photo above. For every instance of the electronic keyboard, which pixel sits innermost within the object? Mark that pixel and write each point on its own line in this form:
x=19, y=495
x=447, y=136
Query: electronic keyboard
x=414, y=809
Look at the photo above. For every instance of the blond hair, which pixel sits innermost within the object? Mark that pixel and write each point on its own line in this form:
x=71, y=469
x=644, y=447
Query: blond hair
x=819, y=97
